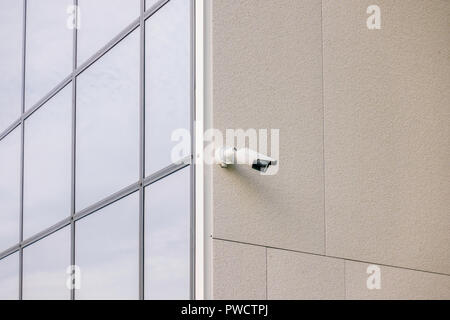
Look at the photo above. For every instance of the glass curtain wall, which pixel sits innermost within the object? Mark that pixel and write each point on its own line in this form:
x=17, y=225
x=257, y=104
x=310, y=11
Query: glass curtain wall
x=94, y=201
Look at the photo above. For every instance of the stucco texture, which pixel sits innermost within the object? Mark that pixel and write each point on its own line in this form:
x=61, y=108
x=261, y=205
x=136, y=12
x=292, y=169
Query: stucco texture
x=364, y=175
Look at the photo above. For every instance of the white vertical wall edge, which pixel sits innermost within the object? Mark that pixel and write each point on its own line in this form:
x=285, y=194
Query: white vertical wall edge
x=198, y=161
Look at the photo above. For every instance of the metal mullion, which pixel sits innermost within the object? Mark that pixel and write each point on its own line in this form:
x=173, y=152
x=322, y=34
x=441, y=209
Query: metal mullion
x=142, y=152
x=10, y=251
x=46, y=232
x=11, y=127
x=107, y=201
x=73, y=146
x=22, y=142
x=154, y=8
x=110, y=45
x=167, y=171
x=22, y=148
x=47, y=97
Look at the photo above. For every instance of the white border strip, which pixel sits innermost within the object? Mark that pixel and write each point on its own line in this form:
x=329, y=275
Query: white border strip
x=198, y=161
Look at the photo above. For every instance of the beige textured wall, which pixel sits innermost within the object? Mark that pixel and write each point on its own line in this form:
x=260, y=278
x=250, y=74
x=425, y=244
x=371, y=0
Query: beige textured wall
x=364, y=178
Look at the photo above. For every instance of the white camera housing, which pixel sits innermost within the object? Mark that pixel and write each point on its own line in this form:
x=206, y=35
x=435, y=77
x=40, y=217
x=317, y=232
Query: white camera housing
x=226, y=156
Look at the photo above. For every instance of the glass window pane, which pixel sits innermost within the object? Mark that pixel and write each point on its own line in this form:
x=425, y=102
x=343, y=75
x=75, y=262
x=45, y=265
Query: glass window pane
x=167, y=81
x=108, y=123
x=47, y=171
x=101, y=21
x=9, y=277
x=107, y=251
x=11, y=28
x=44, y=267
x=9, y=189
x=49, y=47
x=167, y=237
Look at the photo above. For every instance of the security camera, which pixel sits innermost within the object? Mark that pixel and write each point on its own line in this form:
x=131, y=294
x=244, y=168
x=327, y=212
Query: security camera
x=227, y=155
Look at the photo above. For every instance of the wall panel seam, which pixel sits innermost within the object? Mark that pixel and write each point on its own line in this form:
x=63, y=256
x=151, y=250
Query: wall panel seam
x=333, y=257
x=323, y=132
